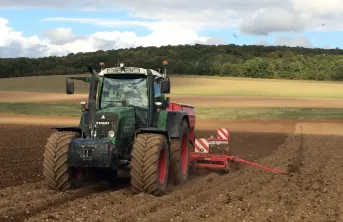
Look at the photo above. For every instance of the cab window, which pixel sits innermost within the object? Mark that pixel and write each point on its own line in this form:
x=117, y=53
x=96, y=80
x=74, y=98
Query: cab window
x=157, y=88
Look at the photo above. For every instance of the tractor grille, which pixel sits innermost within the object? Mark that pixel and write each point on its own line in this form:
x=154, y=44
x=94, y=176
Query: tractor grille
x=87, y=151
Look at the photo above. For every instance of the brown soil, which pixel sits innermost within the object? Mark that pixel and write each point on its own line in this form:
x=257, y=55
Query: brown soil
x=311, y=150
x=197, y=101
x=6, y=96
x=38, y=120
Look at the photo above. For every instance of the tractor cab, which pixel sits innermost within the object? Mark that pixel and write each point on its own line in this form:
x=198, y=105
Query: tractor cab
x=129, y=87
x=135, y=94
x=132, y=93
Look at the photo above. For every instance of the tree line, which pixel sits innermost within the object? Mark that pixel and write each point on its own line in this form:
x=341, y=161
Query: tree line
x=276, y=62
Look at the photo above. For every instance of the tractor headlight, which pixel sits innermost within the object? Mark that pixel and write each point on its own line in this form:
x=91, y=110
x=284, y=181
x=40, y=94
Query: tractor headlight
x=111, y=133
x=93, y=133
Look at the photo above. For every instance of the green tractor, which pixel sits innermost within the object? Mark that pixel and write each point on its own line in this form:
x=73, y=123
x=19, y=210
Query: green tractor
x=127, y=125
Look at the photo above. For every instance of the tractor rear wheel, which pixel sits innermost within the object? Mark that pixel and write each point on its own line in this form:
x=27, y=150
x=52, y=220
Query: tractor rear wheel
x=179, y=156
x=150, y=164
x=58, y=175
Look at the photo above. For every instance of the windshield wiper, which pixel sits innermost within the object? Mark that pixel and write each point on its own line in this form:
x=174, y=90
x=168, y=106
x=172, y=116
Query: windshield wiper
x=123, y=101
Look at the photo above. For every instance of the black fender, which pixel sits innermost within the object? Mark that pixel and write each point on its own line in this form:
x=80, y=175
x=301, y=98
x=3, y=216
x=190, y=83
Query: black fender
x=153, y=130
x=82, y=128
x=174, y=119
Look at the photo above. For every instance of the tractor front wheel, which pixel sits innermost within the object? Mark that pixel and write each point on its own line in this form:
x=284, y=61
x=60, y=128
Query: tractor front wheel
x=179, y=156
x=58, y=175
x=150, y=164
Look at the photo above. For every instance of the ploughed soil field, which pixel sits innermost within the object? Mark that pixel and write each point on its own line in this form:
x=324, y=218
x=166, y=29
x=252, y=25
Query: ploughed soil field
x=311, y=150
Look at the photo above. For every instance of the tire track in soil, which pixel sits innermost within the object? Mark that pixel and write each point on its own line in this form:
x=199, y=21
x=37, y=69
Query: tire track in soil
x=313, y=182
x=297, y=162
x=20, y=202
x=120, y=200
x=185, y=206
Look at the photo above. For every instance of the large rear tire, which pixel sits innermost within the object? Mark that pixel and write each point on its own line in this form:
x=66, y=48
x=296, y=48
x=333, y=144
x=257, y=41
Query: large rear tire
x=179, y=156
x=58, y=175
x=150, y=164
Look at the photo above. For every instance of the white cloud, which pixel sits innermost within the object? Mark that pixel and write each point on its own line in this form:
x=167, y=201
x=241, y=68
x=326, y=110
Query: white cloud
x=62, y=41
x=14, y=44
x=163, y=32
x=320, y=8
x=59, y=36
x=273, y=20
x=298, y=41
x=216, y=41
x=262, y=43
x=301, y=41
x=327, y=46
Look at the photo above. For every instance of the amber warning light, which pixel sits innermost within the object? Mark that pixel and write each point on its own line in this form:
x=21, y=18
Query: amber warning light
x=165, y=62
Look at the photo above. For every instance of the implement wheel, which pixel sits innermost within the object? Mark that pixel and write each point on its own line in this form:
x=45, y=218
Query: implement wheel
x=58, y=175
x=179, y=156
x=150, y=164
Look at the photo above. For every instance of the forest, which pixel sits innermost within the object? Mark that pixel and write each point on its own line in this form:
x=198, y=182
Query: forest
x=272, y=62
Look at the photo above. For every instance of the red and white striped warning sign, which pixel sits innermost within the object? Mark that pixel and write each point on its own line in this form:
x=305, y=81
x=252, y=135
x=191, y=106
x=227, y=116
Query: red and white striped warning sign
x=201, y=146
x=223, y=133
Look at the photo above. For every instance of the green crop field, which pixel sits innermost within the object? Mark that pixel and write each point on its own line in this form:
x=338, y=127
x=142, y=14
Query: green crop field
x=196, y=85
x=229, y=113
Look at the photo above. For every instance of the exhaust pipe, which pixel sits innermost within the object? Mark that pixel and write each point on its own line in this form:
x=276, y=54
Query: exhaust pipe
x=93, y=87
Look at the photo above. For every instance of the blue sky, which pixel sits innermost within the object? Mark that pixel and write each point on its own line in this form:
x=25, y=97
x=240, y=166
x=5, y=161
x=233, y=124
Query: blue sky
x=71, y=29
x=20, y=18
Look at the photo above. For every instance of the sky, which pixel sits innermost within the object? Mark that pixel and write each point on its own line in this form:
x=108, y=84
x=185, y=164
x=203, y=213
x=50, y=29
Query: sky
x=39, y=28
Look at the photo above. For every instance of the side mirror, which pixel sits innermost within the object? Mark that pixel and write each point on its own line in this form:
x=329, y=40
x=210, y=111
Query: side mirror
x=165, y=86
x=70, y=87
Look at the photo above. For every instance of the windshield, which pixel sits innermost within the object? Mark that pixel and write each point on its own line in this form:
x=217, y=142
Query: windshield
x=119, y=92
